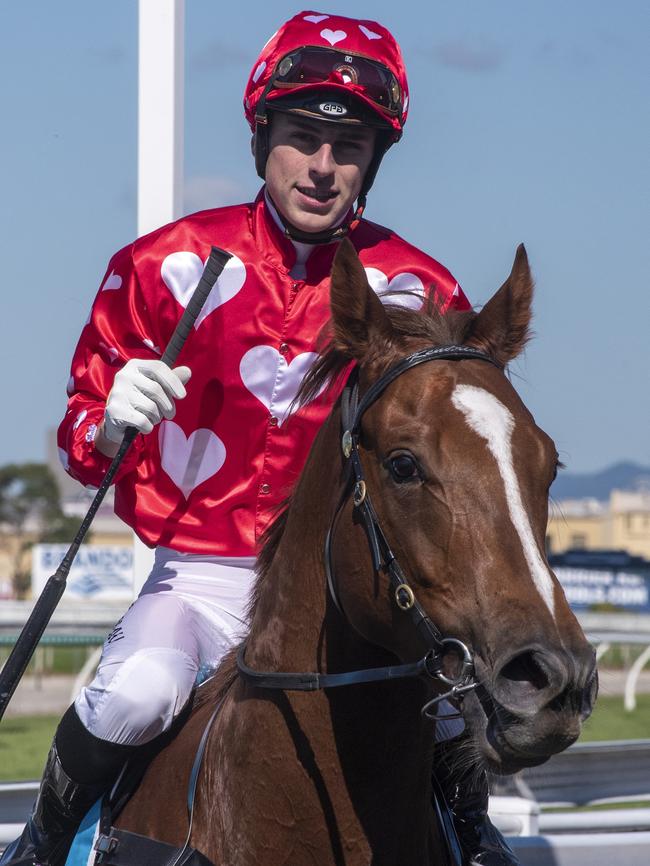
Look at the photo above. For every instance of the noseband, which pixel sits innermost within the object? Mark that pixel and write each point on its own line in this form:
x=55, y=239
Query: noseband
x=383, y=558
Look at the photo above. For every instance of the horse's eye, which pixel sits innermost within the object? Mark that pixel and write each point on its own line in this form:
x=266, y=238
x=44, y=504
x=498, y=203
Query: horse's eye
x=403, y=468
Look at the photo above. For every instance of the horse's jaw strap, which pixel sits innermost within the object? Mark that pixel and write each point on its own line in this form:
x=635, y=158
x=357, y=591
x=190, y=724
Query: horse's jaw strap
x=429, y=666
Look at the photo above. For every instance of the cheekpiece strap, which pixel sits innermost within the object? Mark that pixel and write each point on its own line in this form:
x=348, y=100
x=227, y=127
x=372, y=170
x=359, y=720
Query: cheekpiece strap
x=352, y=411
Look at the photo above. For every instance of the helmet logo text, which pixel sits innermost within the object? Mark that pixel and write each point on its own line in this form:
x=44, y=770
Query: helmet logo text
x=334, y=109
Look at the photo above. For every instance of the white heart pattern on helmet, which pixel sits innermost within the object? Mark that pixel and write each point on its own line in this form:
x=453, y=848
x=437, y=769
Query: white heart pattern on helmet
x=266, y=374
x=260, y=69
x=393, y=292
x=182, y=271
x=315, y=19
x=369, y=33
x=333, y=36
x=189, y=460
x=113, y=281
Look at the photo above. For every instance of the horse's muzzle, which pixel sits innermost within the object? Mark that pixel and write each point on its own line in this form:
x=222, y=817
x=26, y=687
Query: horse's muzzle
x=533, y=703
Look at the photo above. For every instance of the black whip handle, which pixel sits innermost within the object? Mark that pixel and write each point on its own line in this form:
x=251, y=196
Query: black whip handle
x=46, y=603
x=213, y=268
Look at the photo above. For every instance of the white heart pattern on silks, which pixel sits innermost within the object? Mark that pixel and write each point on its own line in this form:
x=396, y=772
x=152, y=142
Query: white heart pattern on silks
x=333, y=36
x=111, y=351
x=191, y=460
x=260, y=69
x=369, y=33
x=391, y=293
x=69, y=388
x=315, y=19
x=113, y=281
x=266, y=374
x=182, y=271
x=63, y=457
x=79, y=419
x=149, y=344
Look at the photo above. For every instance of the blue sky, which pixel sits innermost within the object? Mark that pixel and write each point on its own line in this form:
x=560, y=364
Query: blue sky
x=528, y=122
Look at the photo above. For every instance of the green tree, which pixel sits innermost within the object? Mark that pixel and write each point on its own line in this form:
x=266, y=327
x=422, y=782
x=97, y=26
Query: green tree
x=30, y=512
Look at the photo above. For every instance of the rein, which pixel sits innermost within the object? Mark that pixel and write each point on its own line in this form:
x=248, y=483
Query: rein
x=384, y=560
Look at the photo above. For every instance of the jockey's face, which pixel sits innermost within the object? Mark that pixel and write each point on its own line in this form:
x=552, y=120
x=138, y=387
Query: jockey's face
x=315, y=169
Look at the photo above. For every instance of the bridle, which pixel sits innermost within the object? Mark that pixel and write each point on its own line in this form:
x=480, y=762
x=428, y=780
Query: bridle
x=353, y=409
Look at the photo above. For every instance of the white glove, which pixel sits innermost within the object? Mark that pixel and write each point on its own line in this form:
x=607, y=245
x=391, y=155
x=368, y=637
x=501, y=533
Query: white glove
x=143, y=393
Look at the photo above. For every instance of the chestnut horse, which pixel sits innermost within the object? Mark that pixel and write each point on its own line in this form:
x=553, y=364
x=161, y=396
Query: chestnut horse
x=456, y=474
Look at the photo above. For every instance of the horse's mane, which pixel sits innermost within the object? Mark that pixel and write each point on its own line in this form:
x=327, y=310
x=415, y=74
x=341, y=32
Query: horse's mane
x=428, y=326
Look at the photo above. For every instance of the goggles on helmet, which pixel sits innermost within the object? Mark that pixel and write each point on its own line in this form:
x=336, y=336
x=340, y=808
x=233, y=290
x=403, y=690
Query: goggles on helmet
x=315, y=65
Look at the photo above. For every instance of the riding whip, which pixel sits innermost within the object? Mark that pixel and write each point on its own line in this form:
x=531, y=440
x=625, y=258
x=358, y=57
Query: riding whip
x=47, y=601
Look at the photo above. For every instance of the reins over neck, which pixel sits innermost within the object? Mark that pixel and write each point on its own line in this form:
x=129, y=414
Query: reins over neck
x=431, y=665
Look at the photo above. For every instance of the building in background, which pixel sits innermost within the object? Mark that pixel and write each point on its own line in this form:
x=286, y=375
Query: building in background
x=621, y=523
x=106, y=527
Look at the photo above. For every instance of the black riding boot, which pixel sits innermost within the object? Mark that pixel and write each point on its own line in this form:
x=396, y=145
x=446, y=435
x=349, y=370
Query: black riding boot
x=466, y=792
x=79, y=769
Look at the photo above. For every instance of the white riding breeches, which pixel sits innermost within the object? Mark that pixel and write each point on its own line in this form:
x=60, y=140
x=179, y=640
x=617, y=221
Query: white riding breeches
x=191, y=610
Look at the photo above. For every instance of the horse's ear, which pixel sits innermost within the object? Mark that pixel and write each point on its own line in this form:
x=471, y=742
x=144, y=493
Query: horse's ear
x=502, y=328
x=358, y=316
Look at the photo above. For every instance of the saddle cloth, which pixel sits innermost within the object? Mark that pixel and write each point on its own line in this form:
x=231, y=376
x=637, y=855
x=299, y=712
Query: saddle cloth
x=81, y=851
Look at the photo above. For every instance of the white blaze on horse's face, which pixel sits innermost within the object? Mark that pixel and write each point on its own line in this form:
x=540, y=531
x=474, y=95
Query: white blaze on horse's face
x=488, y=417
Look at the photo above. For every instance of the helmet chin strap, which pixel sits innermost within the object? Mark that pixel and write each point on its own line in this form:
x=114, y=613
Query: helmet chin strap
x=328, y=235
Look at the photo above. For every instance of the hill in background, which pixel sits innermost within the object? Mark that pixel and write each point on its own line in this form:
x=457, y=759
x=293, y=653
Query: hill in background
x=599, y=485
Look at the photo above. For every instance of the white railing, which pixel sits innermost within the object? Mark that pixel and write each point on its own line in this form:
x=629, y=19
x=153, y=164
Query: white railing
x=567, y=838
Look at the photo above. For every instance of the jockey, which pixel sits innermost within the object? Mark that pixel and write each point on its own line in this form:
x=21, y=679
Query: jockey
x=325, y=100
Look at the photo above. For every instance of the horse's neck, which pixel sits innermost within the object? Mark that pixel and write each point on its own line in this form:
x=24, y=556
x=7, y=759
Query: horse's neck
x=296, y=625
x=290, y=612
x=374, y=730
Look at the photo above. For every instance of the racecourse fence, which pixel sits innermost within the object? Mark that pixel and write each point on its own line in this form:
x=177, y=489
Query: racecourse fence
x=587, y=773
x=584, y=849
x=569, y=839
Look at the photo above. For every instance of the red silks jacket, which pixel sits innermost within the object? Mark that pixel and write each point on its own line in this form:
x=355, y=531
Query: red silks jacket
x=210, y=480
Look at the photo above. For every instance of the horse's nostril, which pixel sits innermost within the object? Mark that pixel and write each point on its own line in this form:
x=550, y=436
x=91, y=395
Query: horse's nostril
x=541, y=696
x=588, y=696
x=524, y=668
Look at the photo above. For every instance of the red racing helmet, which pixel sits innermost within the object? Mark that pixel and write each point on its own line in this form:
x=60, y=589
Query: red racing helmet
x=341, y=70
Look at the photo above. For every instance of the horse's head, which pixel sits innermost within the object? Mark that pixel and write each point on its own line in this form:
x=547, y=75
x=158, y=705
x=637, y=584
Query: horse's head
x=459, y=475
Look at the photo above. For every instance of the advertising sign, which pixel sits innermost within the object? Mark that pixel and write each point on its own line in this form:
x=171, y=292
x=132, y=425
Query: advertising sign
x=98, y=572
x=591, y=581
